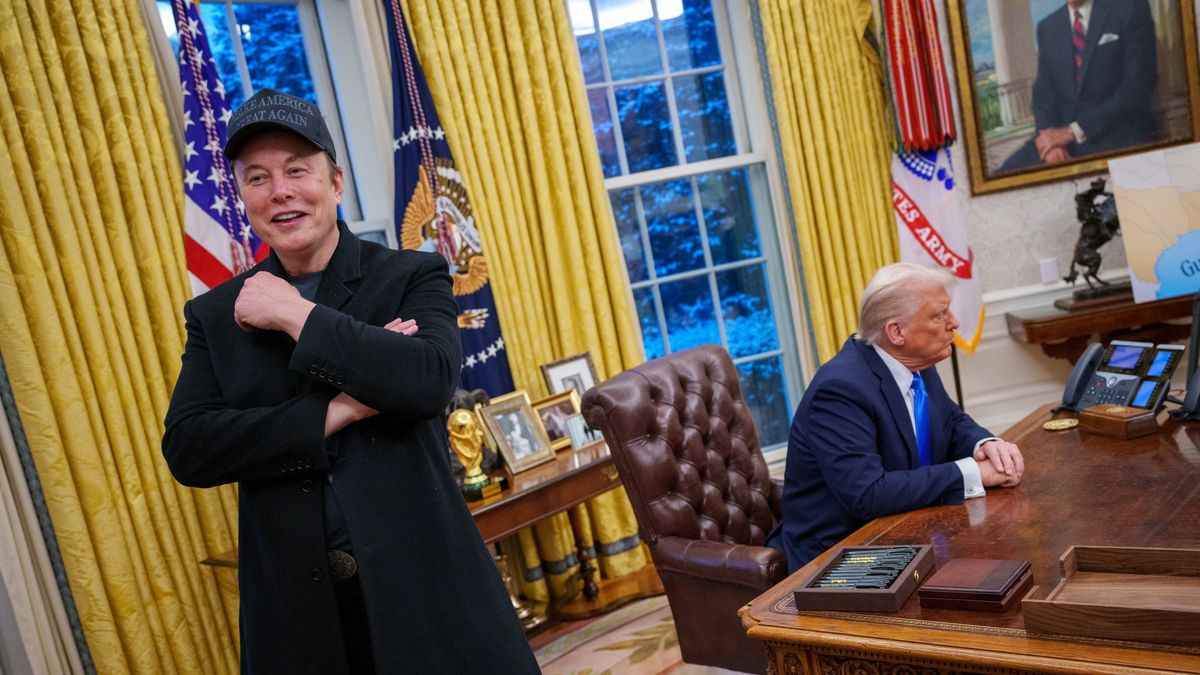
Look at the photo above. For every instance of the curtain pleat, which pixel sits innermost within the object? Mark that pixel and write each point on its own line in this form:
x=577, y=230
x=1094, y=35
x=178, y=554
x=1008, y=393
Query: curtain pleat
x=833, y=129
x=506, y=80
x=92, y=280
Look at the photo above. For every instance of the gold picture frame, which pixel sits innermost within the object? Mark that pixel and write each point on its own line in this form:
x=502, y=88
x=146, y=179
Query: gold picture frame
x=517, y=432
x=573, y=372
x=552, y=412
x=999, y=100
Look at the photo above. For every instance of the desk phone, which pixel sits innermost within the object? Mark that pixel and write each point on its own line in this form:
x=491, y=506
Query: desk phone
x=1136, y=374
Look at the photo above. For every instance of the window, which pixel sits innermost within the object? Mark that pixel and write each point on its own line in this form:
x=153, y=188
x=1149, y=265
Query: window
x=270, y=43
x=690, y=190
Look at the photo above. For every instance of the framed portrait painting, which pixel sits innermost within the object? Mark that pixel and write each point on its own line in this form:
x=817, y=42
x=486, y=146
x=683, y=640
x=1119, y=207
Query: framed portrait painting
x=1048, y=92
x=517, y=432
x=573, y=372
x=553, y=412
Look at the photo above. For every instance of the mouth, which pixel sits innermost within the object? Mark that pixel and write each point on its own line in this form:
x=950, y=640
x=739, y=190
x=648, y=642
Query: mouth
x=287, y=217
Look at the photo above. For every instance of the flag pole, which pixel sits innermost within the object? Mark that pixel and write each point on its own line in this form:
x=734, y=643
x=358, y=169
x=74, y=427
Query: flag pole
x=957, y=379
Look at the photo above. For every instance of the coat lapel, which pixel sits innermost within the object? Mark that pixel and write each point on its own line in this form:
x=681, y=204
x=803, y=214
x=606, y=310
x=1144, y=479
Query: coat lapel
x=893, y=397
x=1095, y=29
x=344, y=268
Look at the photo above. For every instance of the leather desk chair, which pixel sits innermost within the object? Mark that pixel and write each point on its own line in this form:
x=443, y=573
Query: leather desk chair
x=685, y=445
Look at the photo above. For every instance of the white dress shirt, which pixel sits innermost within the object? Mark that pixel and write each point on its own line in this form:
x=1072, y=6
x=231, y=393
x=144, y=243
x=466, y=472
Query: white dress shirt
x=972, y=481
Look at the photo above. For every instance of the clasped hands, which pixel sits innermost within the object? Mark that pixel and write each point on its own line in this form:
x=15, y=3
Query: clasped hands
x=1000, y=463
x=1052, y=144
x=267, y=302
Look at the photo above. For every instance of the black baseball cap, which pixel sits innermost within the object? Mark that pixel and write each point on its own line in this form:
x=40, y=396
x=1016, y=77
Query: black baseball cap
x=270, y=109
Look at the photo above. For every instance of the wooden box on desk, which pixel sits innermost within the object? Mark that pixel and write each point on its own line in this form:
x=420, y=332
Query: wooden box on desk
x=889, y=599
x=1140, y=594
x=977, y=585
x=1117, y=421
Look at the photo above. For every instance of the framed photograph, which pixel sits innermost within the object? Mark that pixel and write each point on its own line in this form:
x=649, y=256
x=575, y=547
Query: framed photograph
x=553, y=412
x=574, y=372
x=1046, y=95
x=517, y=432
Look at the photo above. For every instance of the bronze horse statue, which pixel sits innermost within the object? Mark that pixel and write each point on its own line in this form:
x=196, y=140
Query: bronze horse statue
x=1099, y=224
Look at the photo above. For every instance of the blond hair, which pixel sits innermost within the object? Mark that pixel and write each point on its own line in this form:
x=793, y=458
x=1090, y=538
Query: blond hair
x=894, y=294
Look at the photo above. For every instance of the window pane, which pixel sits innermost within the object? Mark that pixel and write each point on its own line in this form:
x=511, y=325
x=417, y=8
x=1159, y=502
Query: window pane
x=762, y=387
x=704, y=116
x=689, y=308
x=274, y=48
x=646, y=126
x=690, y=35
x=671, y=223
x=625, y=213
x=729, y=215
x=216, y=26
x=585, y=37
x=648, y=318
x=746, y=308
x=606, y=139
x=630, y=38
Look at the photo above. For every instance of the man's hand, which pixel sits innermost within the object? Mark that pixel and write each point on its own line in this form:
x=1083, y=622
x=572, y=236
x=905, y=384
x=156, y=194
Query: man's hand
x=1054, y=137
x=270, y=303
x=1057, y=156
x=1000, y=463
x=344, y=409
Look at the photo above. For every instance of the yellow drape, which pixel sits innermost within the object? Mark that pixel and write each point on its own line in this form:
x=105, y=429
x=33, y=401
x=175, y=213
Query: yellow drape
x=91, y=282
x=833, y=129
x=506, y=80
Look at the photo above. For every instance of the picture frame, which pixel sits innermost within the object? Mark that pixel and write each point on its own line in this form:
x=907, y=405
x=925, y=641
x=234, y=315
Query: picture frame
x=573, y=372
x=517, y=432
x=552, y=412
x=997, y=60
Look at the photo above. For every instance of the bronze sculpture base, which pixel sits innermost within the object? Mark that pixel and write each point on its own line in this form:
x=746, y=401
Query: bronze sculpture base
x=1093, y=298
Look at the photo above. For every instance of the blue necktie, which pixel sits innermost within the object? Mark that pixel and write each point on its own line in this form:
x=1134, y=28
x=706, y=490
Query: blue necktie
x=921, y=418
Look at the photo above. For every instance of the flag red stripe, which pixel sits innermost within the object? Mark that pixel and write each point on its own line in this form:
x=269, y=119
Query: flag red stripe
x=204, y=265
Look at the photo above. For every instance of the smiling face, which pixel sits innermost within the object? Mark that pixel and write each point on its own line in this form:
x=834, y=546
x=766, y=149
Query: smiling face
x=291, y=196
x=925, y=337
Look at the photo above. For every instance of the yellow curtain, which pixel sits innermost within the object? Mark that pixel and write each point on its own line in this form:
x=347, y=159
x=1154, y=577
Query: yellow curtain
x=91, y=284
x=506, y=80
x=833, y=129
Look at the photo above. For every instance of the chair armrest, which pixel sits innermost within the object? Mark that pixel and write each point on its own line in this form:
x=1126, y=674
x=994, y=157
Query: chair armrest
x=758, y=567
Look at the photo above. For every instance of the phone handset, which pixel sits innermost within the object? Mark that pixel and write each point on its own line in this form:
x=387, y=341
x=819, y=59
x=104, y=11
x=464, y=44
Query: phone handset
x=1191, y=401
x=1081, y=377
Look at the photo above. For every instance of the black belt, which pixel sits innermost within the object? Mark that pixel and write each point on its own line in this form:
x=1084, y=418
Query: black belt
x=341, y=564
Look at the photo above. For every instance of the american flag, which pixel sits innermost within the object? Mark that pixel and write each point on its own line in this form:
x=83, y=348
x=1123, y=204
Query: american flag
x=217, y=238
x=434, y=214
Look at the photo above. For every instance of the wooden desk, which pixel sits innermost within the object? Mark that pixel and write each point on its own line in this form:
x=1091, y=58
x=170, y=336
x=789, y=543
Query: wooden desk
x=1078, y=489
x=1065, y=335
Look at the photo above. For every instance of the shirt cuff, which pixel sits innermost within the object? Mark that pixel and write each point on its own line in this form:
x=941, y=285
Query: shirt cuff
x=1077, y=132
x=972, y=481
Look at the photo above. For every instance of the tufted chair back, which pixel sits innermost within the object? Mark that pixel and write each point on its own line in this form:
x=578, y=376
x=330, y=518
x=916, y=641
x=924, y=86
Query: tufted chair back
x=685, y=445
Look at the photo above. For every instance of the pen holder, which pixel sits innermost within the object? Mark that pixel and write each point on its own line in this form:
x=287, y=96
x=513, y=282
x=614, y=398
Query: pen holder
x=866, y=579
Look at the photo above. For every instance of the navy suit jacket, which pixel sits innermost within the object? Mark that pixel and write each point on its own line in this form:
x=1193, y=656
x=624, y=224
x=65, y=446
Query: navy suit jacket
x=852, y=455
x=1119, y=77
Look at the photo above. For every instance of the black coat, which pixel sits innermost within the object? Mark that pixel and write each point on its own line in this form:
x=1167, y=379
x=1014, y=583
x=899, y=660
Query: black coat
x=250, y=407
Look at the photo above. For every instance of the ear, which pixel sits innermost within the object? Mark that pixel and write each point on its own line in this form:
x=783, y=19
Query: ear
x=339, y=184
x=894, y=333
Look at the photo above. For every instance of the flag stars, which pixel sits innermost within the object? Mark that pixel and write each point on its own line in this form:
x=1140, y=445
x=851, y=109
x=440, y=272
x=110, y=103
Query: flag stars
x=189, y=150
x=216, y=177
x=187, y=119
x=219, y=206
x=193, y=26
x=192, y=179
x=226, y=113
x=439, y=134
x=470, y=361
x=207, y=118
x=213, y=145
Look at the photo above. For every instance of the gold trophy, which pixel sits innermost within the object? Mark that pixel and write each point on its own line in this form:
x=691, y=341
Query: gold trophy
x=466, y=439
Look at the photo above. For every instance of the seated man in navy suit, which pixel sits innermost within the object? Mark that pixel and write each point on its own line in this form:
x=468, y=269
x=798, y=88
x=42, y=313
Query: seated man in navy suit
x=875, y=433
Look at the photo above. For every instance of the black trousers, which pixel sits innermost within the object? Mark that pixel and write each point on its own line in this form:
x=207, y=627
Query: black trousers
x=352, y=613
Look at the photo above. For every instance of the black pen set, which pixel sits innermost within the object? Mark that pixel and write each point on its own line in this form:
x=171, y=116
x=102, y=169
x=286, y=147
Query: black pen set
x=867, y=568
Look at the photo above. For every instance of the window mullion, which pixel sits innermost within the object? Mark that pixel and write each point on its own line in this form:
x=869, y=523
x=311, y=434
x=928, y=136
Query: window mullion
x=239, y=53
x=668, y=87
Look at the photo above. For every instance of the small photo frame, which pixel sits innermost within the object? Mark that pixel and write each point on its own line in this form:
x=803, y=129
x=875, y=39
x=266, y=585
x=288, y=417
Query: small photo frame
x=518, y=433
x=579, y=431
x=573, y=372
x=553, y=412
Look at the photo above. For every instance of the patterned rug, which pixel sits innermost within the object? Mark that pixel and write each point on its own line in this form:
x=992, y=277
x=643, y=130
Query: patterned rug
x=638, y=639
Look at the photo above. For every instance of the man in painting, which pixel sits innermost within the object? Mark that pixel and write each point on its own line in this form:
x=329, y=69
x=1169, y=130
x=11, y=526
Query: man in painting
x=1096, y=76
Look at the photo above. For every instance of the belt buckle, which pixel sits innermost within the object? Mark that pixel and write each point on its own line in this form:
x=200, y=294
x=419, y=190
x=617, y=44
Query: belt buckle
x=341, y=564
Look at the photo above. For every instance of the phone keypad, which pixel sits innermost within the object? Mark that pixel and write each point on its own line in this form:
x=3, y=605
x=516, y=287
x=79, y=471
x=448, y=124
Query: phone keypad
x=1102, y=391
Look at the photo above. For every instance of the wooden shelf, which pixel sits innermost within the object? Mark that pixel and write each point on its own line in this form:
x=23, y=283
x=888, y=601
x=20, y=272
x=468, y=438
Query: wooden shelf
x=1065, y=335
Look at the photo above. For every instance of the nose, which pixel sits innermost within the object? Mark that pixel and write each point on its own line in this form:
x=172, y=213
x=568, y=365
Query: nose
x=281, y=190
x=951, y=321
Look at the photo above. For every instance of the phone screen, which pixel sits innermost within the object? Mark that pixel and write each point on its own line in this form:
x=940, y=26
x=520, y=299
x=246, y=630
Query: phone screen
x=1144, y=395
x=1124, y=357
x=1159, y=365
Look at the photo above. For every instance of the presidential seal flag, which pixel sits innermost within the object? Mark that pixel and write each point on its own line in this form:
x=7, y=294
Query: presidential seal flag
x=218, y=240
x=931, y=218
x=434, y=214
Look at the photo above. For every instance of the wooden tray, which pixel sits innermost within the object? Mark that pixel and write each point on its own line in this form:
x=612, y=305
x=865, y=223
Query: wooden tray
x=977, y=585
x=1141, y=594
x=889, y=599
